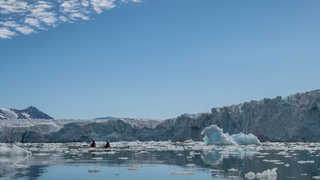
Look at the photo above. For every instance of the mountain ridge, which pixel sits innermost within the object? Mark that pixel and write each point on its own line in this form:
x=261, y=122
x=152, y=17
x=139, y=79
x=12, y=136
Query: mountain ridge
x=30, y=112
x=285, y=119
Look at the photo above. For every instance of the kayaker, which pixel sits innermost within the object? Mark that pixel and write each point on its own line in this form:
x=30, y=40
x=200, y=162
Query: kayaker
x=107, y=145
x=93, y=144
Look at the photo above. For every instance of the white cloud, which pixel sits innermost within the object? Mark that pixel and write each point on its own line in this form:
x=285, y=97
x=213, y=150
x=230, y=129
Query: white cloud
x=33, y=22
x=85, y=3
x=25, y=30
x=63, y=19
x=12, y=6
x=43, y=11
x=134, y=1
x=29, y=16
x=99, y=5
x=5, y=33
x=79, y=15
x=70, y=5
x=11, y=24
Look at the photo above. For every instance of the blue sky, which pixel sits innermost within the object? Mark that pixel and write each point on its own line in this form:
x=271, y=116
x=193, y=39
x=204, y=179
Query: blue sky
x=154, y=58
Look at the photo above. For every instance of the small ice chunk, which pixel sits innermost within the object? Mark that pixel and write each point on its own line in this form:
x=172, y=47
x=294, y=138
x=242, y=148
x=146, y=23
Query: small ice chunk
x=123, y=158
x=269, y=174
x=250, y=175
x=97, y=158
x=190, y=165
x=306, y=162
x=233, y=170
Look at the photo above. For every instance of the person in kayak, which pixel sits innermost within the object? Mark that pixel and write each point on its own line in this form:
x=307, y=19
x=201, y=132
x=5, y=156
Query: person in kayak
x=93, y=144
x=107, y=146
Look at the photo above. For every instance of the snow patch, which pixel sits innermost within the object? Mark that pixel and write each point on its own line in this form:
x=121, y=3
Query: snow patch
x=2, y=117
x=26, y=115
x=9, y=113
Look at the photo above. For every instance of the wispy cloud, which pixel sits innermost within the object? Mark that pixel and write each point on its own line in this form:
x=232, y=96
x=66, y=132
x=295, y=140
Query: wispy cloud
x=29, y=16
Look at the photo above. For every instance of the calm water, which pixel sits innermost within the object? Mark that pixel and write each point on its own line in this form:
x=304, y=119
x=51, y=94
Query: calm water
x=161, y=160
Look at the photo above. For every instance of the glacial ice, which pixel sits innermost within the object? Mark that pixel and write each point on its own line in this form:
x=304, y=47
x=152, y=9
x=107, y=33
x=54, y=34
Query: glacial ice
x=245, y=139
x=269, y=174
x=11, y=149
x=213, y=135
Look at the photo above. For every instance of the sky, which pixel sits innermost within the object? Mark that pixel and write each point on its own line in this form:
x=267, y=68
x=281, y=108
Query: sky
x=154, y=58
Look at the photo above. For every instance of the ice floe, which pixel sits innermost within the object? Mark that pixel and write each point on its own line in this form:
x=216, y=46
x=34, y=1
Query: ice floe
x=269, y=174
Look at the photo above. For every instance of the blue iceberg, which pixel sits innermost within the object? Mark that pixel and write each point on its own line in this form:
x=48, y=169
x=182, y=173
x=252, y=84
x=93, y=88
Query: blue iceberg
x=213, y=135
x=245, y=139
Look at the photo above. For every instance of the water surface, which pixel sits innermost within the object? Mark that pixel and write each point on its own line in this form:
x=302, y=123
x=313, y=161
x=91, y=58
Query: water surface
x=162, y=160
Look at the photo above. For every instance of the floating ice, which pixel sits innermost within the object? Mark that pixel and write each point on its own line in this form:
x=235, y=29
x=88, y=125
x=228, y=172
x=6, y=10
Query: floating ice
x=250, y=175
x=11, y=149
x=269, y=174
x=213, y=135
x=306, y=162
x=245, y=139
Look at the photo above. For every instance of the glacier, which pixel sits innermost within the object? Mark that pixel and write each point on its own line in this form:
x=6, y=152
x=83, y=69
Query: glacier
x=12, y=149
x=213, y=135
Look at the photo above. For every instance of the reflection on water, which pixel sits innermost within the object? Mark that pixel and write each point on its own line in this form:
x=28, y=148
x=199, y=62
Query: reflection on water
x=160, y=160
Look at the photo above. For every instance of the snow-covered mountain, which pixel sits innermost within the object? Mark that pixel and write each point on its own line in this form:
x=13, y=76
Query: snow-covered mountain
x=28, y=113
x=293, y=118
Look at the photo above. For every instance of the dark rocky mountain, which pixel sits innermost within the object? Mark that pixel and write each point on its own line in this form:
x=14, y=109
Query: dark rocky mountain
x=293, y=118
x=28, y=113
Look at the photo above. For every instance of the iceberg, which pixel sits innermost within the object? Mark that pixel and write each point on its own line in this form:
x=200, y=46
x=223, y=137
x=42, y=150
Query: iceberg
x=245, y=139
x=213, y=135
